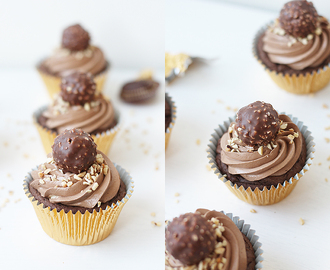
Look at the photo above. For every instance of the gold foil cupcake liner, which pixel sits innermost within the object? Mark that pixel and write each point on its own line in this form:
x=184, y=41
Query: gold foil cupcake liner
x=265, y=196
x=103, y=140
x=298, y=84
x=80, y=229
x=173, y=114
x=53, y=82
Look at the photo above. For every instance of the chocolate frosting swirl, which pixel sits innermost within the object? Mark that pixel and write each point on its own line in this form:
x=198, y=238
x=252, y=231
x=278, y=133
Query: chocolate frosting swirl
x=78, y=193
x=64, y=62
x=234, y=256
x=255, y=163
x=96, y=115
x=297, y=54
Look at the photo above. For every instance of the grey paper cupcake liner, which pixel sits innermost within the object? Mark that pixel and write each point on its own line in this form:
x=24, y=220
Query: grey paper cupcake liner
x=224, y=128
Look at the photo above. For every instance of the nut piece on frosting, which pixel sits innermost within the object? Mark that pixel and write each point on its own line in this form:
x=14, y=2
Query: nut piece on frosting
x=75, y=38
x=78, y=88
x=74, y=151
x=299, y=18
x=190, y=238
x=257, y=123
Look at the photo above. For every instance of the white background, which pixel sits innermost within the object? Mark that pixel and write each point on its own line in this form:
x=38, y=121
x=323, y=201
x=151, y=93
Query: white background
x=130, y=32
x=217, y=29
x=132, y=35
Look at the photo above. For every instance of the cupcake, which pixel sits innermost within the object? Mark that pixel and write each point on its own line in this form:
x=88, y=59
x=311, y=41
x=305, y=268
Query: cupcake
x=261, y=154
x=170, y=116
x=207, y=240
x=78, y=106
x=295, y=49
x=75, y=54
x=78, y=193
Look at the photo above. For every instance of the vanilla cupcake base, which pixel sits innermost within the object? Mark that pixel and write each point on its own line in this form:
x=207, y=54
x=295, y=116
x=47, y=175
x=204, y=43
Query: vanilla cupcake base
x=298, y=84
x=265, y=196
x=80, y=229
x=173, y=115
x=53, y=82
x=103, y=140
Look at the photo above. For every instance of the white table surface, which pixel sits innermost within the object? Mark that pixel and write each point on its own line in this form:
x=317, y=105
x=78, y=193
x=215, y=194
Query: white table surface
x=206, y=96
x=139, y=148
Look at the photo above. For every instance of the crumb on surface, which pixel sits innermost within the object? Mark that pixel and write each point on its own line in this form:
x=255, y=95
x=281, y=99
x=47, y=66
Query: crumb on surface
x=326, y=179
x=153, y=214
x=327, y=128
x=253, y=211
x=5, y=144
x=176, y=194
x=302, y=221
x=327, y=140
x=158, y=224
x=11, y=193
x=325, y=106
x=320, y=163
x=198, y=141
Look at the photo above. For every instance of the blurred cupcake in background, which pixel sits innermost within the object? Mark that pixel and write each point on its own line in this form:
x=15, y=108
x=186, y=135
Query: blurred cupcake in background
x=75, y=54
x=295, y=49
x=170, y=116
x=78, y=106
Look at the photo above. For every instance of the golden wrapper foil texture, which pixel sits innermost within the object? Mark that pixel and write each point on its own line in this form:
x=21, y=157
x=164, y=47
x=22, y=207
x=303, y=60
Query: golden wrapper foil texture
x=80, y=229
x=103, y=140
x=265, y=196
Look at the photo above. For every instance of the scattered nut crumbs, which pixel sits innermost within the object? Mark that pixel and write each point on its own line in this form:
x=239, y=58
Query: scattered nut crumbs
x=198, y=141
x=327, y=140
x=176, y=194
x=326, y=180
x=11, y=193
x=208, y=167
x=327, y=128
x=146, y=152
x=302, y=222
x=5, y=144
x=253, y=211
x=153, y=214
x=328, y=159
x=158, y=224
x=320, y=163
x=228, y=108
x=325, y=106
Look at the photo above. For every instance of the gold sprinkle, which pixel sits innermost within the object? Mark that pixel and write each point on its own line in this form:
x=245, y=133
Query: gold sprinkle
x=153, y=214
x=253, y=211
x=302, y=222
x=176, y=194
x=198, y=141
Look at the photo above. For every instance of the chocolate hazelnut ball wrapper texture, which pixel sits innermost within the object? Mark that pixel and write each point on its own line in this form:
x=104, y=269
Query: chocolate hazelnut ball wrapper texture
x=266, y=196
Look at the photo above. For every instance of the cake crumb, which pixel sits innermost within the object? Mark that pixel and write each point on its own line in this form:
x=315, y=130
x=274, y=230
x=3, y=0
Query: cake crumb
x=176, y=194
x=153, y=214
x=325, y=106
x=327, y=128
x=11, y=193
x=326, y=180
x=198, y=141
x=327, y=140
x=302, y=222
x=208, y=167
x=253, y=211
x=320, y=163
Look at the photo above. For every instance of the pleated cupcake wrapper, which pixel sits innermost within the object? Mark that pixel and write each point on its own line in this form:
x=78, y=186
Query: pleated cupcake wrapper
x=173, y=113
x=250, y=234
x=265, y=196
x=297, y=84
x=103, y=140
x=53, y=82
x=80, y=229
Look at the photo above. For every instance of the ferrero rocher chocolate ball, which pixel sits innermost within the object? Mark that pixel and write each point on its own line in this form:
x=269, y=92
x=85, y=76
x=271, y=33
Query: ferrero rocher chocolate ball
x=190, y=238
x=298, y=18
x=78, y=88
x=75, y=38
x=257, y=123
x=74, y=151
